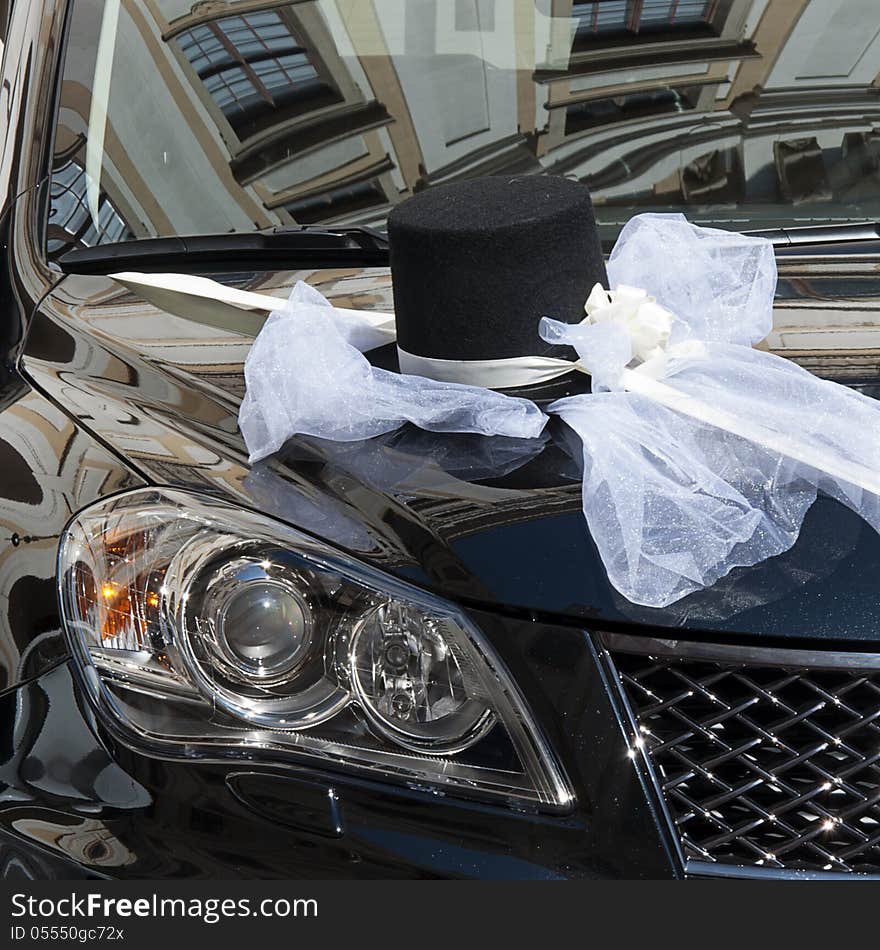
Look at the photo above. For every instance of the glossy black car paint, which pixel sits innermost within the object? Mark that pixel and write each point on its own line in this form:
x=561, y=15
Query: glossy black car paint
x=85, y=412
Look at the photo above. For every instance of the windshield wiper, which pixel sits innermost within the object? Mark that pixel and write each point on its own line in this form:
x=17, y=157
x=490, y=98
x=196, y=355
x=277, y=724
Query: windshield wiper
x=310, y=246
x=288, y=247
x=816, y=237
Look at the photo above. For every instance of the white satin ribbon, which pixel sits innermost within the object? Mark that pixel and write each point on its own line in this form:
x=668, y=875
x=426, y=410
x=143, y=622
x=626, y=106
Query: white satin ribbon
x=507, y=373
x=649, y=327
x=647, y=324
x=218, y=305
x=788, y=445
x=644, y=320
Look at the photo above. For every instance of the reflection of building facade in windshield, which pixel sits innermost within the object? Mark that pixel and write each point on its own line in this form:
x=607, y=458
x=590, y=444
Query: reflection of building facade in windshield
x=743, y=113
x=253, y=67
x=71, y=220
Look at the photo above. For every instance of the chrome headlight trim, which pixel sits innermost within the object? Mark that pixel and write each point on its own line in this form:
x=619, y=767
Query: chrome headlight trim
x=150, y=673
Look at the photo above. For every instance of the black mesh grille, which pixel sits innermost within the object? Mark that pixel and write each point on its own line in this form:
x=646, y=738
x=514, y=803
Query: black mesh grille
x=770, y=766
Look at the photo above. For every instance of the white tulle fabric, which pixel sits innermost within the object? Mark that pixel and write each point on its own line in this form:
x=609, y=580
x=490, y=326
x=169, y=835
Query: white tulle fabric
x=306, y=375
x=672, y=503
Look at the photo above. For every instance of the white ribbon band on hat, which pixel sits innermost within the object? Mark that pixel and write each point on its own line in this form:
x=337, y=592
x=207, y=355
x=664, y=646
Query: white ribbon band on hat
x=507, y=373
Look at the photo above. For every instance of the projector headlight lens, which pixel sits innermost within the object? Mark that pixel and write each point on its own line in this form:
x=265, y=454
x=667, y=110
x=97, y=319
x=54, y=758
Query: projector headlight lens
x=202, y=629
x=263, y=624
x=413, y=684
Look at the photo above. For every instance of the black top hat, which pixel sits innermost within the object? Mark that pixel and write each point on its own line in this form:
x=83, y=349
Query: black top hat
x=476, y=264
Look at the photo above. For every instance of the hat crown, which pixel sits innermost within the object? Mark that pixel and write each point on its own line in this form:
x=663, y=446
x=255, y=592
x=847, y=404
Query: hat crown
x=476, y=264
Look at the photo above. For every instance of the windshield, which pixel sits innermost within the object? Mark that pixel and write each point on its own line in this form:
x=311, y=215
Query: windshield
x=185, y=117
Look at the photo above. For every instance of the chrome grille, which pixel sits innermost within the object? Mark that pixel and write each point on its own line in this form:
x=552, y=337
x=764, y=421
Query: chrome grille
x=766, y=759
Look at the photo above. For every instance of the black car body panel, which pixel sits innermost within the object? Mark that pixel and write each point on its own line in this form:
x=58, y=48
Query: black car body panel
x=71, y=792
x=491, y=522
x=101, y=392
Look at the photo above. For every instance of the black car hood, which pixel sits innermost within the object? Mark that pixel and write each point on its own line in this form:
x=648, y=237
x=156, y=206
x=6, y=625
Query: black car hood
x=499, y=521
x=486, y=521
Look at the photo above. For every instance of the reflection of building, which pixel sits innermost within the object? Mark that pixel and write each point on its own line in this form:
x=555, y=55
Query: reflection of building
x=742, y=113
x=301, y=131
x=255, y=70
x=629, y=110
x=329, y=111
x=40, y=450
x=87, y=841
x=719, y=106
x=69, y=215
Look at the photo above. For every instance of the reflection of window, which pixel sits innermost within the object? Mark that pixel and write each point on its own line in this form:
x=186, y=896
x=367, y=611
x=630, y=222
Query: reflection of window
x=633, y=105
x=70, y=221
x=800, y=168
x=253, y=67
x=601, y=18
x=304, y=168
x=336, y=202
x=713, y=178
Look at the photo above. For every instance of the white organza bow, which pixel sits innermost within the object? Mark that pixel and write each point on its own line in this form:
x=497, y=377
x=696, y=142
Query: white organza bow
x=306, y=375
x=643, y=321
x=701, y=454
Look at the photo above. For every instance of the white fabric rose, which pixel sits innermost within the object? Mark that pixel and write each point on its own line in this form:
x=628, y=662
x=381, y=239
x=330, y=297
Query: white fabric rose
x=647, y=324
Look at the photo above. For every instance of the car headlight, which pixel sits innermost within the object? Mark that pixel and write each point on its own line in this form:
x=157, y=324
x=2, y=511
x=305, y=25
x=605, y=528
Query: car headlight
x=204, y=630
